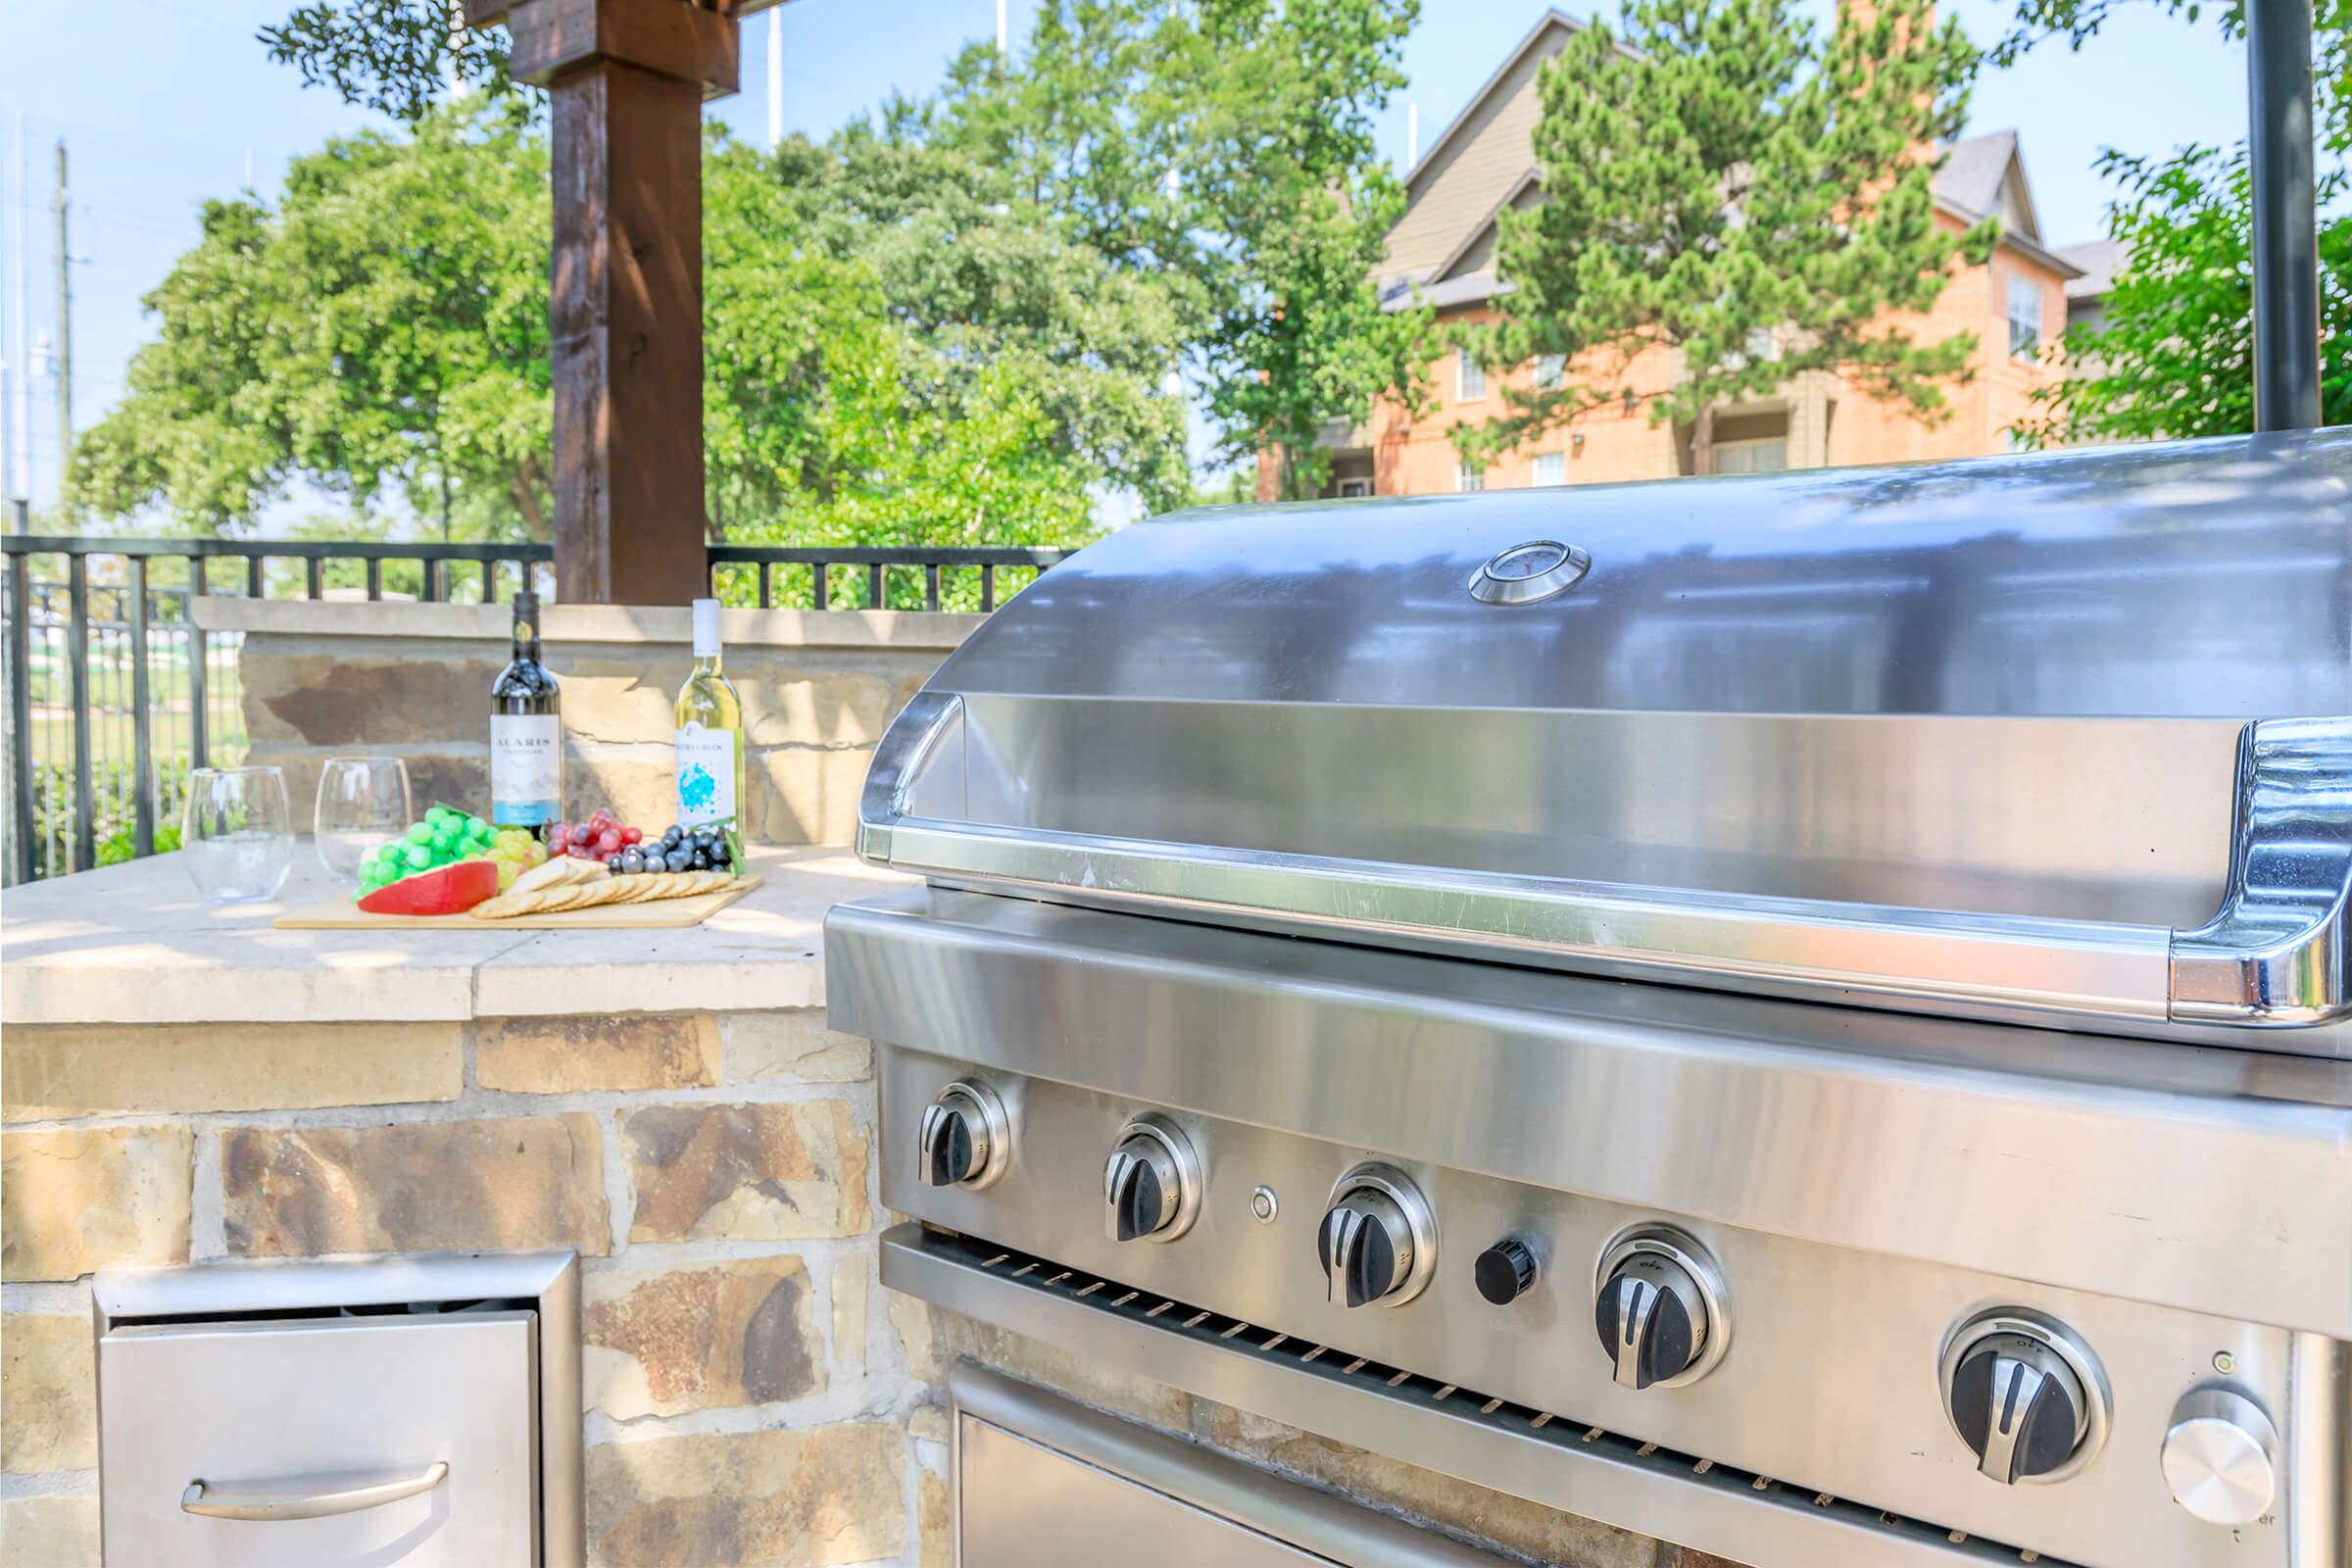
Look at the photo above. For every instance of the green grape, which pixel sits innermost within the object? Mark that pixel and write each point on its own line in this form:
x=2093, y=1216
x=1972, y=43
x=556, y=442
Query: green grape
x=418, y=857
x=477, y=827
x=419, y=833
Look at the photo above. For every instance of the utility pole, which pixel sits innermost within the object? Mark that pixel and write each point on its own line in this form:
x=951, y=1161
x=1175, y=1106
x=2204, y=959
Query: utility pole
x=65, y=327
x=1412, y=136
x=22, y=497
x=1003, y=30
x=775, y=78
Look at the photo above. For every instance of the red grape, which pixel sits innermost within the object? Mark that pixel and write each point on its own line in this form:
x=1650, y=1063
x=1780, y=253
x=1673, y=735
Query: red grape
x=607, y=843
x=630, y=835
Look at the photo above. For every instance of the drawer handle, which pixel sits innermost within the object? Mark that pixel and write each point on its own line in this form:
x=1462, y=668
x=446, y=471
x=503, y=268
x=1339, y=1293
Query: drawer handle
x=312, y=1505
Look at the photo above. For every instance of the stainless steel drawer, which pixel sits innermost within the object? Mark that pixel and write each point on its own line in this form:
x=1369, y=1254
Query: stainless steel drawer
x=1043, y=1483
x=392, y=1442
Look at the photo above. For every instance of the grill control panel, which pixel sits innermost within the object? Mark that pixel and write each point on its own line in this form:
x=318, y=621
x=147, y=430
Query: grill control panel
x=2031, y=1418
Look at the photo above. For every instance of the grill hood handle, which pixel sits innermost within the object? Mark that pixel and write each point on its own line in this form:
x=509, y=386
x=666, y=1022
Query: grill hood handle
x=2275, y=956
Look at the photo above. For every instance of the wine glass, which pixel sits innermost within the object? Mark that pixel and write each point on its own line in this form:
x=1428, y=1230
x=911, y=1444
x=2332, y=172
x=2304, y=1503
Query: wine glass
x=238, y=833
x=363, y=802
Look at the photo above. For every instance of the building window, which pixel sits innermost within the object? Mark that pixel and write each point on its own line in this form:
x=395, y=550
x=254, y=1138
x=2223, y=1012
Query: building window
x=1352, y=488
x=1469, y=377
x=1551, y=371
x=1552, y=468
x=2025, y=316
x=1466, y=479
x=1752, y=457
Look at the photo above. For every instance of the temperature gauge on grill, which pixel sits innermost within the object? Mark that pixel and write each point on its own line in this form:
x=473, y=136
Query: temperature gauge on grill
x=1526, y=573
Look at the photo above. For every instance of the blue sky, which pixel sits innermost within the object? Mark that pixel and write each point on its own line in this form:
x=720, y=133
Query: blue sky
x=165, y=103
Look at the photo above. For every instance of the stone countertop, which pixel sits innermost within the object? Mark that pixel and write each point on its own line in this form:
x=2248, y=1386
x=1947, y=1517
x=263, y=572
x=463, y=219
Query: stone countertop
x=137, y=944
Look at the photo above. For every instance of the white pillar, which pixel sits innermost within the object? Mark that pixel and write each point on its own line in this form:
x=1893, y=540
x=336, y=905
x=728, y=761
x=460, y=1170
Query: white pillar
x=1412, y=136
x=775, y=78
x=1004, y=29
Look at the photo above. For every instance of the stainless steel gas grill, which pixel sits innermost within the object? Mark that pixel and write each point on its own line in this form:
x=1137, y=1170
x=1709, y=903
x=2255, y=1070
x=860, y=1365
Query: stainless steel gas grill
x=1803, y=1016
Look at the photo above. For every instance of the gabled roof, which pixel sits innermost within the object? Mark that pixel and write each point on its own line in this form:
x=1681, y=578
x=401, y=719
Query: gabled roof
x=1474, y=110
x=1984, y=176
x=1446, y=249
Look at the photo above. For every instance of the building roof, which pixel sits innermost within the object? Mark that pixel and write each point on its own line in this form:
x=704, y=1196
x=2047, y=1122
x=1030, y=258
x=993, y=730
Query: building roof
x=2100, y=260
x=1977, y=169
x=1484, y=161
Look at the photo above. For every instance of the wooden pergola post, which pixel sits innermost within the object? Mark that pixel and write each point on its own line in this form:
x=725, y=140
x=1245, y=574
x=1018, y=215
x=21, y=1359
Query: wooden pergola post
x=626, y=81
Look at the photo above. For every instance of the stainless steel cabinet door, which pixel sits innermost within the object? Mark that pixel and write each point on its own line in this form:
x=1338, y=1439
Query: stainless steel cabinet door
x=1024, y=1505
x=332, y=1443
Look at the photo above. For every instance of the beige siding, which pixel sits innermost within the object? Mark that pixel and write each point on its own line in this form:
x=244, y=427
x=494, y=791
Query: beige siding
x=1483, y=157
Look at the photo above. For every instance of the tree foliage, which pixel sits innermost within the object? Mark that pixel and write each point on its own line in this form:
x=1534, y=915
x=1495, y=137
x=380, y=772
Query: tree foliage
x=396, y=57
x=2174, y=353
x=964, y=319
x=379, y=332
x=1699, y=181
x=1224, y=152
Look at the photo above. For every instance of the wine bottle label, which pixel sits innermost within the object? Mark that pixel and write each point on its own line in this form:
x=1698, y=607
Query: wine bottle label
x=526, y=768
x=706, y=773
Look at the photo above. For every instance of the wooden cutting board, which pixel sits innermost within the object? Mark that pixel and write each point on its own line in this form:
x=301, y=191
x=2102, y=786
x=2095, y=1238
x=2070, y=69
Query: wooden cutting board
x=664, y=914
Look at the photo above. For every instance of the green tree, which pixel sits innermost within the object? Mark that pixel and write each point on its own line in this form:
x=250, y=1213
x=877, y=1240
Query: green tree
x=381, y=334
x=889, y=361
x=2173, y=354
x=1723, y=184
x=396, y=57
x=1225, y=150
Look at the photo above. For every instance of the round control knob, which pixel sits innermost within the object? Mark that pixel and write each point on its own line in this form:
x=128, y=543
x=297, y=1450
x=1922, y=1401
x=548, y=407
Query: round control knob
x=1652, y=1320
x=965, y=1138
x=1378, y=1241
x=2019, y=1406
x=1151, y=1184
x=2025, y=1394
x=2221, y=1457
x=1505, y=1271
x=1660, y=1308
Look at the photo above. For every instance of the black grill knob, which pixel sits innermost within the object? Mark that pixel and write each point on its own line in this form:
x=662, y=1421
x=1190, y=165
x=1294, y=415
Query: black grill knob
x=1142, y=1187
x=1366, y=1246
x=1505, y=1271
x=1652, y=1320
x=2019, y=1406
x=962, y=1139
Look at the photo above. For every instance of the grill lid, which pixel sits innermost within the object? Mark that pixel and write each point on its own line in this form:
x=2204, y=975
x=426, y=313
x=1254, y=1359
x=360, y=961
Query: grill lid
x=2062, y=739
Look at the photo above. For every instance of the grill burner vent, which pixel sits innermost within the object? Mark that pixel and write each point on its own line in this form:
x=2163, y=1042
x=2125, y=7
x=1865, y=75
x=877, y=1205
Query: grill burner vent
x=1378, y=1381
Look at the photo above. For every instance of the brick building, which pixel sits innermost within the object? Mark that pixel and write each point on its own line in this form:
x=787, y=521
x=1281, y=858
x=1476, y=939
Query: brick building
x=1442, y=251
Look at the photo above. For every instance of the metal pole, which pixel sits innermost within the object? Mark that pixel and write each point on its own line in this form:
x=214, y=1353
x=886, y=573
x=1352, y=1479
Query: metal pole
x=23, y=492
x=775, y=78
x=20, y=700
x=65, y=329
x=142, y=736
x=2286, y=246
x=77, y=681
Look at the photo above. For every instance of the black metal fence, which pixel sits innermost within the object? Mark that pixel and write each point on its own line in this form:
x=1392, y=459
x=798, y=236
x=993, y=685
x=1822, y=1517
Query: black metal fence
x=115, y=693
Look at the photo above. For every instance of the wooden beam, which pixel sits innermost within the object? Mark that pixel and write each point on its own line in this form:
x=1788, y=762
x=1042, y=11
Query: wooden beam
x=668, y=38
x=626, y=313
x=625, y=82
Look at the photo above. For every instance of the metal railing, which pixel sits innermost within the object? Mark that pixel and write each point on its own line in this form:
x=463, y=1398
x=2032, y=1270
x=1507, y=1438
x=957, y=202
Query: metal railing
x=115, y=691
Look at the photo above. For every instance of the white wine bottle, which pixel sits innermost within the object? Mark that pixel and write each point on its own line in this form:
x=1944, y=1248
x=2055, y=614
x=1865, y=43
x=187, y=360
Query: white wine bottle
x=709, y=736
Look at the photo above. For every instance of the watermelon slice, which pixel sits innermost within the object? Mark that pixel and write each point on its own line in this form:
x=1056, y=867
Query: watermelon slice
x=448, y=890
